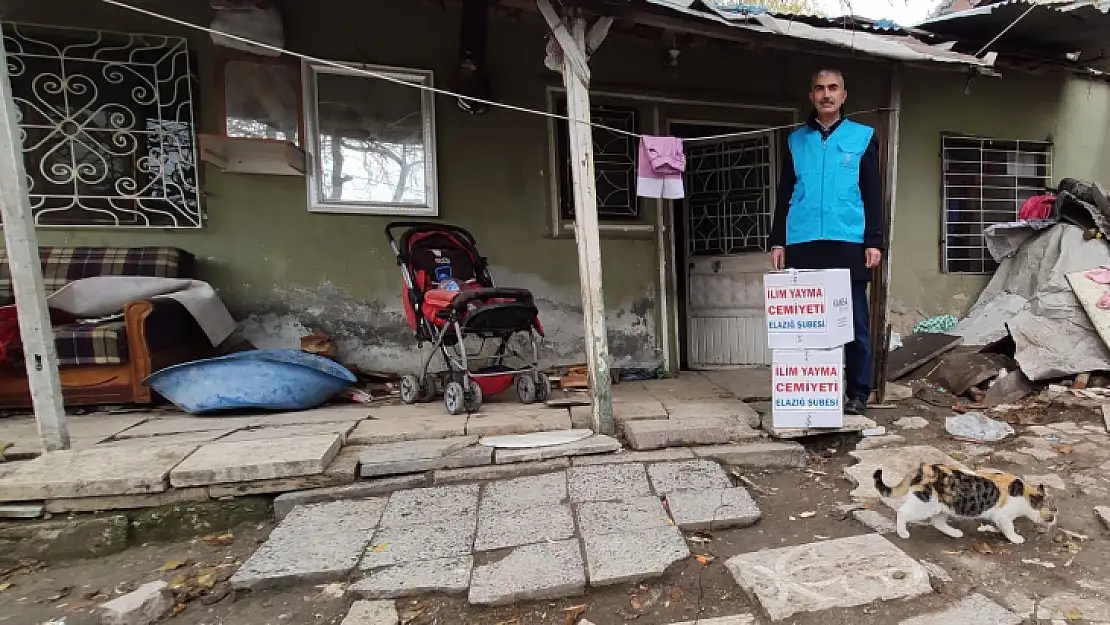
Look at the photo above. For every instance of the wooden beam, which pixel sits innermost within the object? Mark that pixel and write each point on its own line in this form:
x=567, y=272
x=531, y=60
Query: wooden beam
x=574, y=51
x=880, y=283
x=586, y=232
x=26, y=271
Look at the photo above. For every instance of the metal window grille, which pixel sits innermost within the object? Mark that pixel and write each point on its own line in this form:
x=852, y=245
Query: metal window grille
x=985, y=182
x=107, y=127
x=729, y=188
x=614, y=163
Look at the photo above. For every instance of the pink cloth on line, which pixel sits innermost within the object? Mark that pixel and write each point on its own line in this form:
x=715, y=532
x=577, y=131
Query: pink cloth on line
x=659, y=168
x=1099, y=274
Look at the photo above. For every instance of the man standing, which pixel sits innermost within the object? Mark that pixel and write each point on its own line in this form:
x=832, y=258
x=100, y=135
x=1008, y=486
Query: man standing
x=829, y=213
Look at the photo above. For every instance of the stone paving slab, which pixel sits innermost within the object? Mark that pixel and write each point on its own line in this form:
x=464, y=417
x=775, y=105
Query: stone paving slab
x=428, y=505
x=445, y=575
x=84, y=431
x=732, y=410
x=972, y=610
x=659, y=455
x=760, y=455
x=330, y=517
x=21, y=510
x=607, y=517
x=657, y=434
x=735, y=619
x=418, y=426
x=499, y=472
x=267, y=459
x=516, y=419
x=290, y=559
x=525, y=492
x=607, y=482
x=372, y=613
x=895, y=462
x=285, y=503
x=423, y=455
x=499, y=528
x=717, y=508
x=596, y=444
x=669, y=477
x=839, y=573
x=852, y=423
x=448, y=538
x=168, y=440
x=626, y=557
x=127, y=502
x=543, y=571
x=93, y=473
x=259, y=432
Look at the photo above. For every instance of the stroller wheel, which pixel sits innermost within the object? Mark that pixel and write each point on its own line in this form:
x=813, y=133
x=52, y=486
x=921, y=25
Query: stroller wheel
x=454, y=398
x=473, y=397
x=525, y=388
x=410, y=389
x=543, y=386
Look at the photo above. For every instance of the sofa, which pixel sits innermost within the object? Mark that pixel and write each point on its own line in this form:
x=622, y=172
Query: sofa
x=105, y=362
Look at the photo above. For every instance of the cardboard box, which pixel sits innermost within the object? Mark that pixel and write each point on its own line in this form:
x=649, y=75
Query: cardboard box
x=807, y=388
x=808, y=309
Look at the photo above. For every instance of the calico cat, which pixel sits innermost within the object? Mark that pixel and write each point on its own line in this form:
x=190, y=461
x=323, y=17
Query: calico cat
x=935, y=492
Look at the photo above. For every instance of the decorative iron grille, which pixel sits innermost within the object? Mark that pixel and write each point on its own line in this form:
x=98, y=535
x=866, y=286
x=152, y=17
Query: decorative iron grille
x=614, y=162
x=985, y=183
x=728, y=196
x=107, y=126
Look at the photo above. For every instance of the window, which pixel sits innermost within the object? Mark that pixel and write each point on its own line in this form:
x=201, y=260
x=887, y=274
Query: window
x=107, y=127
x=729, y=195
x=614, y=163
x=371, y=142
x=985, y=183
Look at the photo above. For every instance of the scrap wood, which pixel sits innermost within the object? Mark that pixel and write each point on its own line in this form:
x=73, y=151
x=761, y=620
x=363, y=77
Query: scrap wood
x=318, y=343
x=958, y=374
x=916, y=350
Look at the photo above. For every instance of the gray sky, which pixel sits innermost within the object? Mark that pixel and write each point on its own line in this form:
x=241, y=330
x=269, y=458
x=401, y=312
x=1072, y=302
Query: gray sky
x=905, y=12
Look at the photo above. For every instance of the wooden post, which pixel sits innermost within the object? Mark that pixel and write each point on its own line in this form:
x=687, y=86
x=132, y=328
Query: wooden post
x=26, y=272
x=576, y=77
x=880, y=284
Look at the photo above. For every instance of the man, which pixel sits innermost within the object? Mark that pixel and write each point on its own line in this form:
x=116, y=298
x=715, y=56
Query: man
x=829, y=213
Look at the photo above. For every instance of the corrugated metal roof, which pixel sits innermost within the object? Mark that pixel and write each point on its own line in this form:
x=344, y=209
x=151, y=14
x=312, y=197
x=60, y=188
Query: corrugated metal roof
x=890, y=46
x=1059, y=27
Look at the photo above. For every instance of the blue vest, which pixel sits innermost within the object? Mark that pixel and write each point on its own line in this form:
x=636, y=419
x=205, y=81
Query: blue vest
x=827, y=204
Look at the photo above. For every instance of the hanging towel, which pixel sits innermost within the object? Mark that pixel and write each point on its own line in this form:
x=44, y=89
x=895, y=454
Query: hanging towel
x=660, y=167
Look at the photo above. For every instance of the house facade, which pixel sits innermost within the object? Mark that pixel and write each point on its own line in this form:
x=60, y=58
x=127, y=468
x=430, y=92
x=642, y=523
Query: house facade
x=292, y=253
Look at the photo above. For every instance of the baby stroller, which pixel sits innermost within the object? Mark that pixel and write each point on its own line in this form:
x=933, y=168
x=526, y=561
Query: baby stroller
x=450, y=296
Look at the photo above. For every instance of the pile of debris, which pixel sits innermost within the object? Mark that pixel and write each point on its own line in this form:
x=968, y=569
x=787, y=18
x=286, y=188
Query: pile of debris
x=1040, y=324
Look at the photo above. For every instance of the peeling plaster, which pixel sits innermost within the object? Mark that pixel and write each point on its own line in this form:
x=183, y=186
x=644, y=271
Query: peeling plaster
x=370, y=333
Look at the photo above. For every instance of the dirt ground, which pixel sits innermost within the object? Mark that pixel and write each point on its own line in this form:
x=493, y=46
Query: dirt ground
x=798, y=506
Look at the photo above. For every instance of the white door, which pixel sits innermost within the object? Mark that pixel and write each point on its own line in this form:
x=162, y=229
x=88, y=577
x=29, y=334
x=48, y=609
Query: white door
x=727, y=220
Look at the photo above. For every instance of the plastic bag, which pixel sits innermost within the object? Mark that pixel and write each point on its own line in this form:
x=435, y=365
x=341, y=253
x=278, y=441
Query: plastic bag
x=257, y=24
x=976, y=426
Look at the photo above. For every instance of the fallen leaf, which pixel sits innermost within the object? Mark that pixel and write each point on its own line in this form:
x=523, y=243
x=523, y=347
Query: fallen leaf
x=173, y=565
x=223, y=540
x=381, y=547
x=1064, y=449
x=982, y=548
x=178, y=608
x=573, y=612
x=704, y=560
x=4, y=586
x=410, y=614
x=1073, y=615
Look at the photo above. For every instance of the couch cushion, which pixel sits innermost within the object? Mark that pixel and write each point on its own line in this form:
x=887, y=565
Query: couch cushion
x=91, y=343
x=62, y=265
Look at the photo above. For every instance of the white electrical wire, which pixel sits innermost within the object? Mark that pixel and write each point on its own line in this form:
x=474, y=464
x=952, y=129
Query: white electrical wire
x=365, y=72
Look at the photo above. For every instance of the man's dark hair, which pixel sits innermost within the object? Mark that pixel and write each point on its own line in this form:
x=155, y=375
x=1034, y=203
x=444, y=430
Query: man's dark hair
x=821, y=72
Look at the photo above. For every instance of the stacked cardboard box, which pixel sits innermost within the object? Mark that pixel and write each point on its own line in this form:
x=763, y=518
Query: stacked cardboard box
x=809, y=320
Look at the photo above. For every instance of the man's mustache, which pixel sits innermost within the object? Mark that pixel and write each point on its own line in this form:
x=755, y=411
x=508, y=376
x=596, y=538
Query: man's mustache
x=827, y=101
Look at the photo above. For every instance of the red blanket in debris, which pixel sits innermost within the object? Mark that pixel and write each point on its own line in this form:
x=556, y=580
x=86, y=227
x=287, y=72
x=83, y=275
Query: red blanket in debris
x=1037, y=207
x=9, y=327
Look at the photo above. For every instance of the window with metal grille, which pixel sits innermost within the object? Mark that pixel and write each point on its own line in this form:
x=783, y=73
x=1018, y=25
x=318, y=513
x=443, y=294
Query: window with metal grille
x=107, y=127
x=614, y=162
x=985, y=183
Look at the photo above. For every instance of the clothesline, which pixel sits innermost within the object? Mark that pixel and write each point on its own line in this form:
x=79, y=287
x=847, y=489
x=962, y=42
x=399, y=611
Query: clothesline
x=520, y=109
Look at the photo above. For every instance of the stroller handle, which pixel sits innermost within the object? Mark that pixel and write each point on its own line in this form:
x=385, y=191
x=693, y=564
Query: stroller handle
x=393, y=225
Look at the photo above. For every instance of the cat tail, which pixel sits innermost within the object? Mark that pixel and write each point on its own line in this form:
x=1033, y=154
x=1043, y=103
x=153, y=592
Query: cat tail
x=887, y=491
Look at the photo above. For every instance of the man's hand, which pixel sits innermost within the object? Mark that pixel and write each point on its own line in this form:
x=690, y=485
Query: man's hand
x=872, y=257
x=778, y=258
